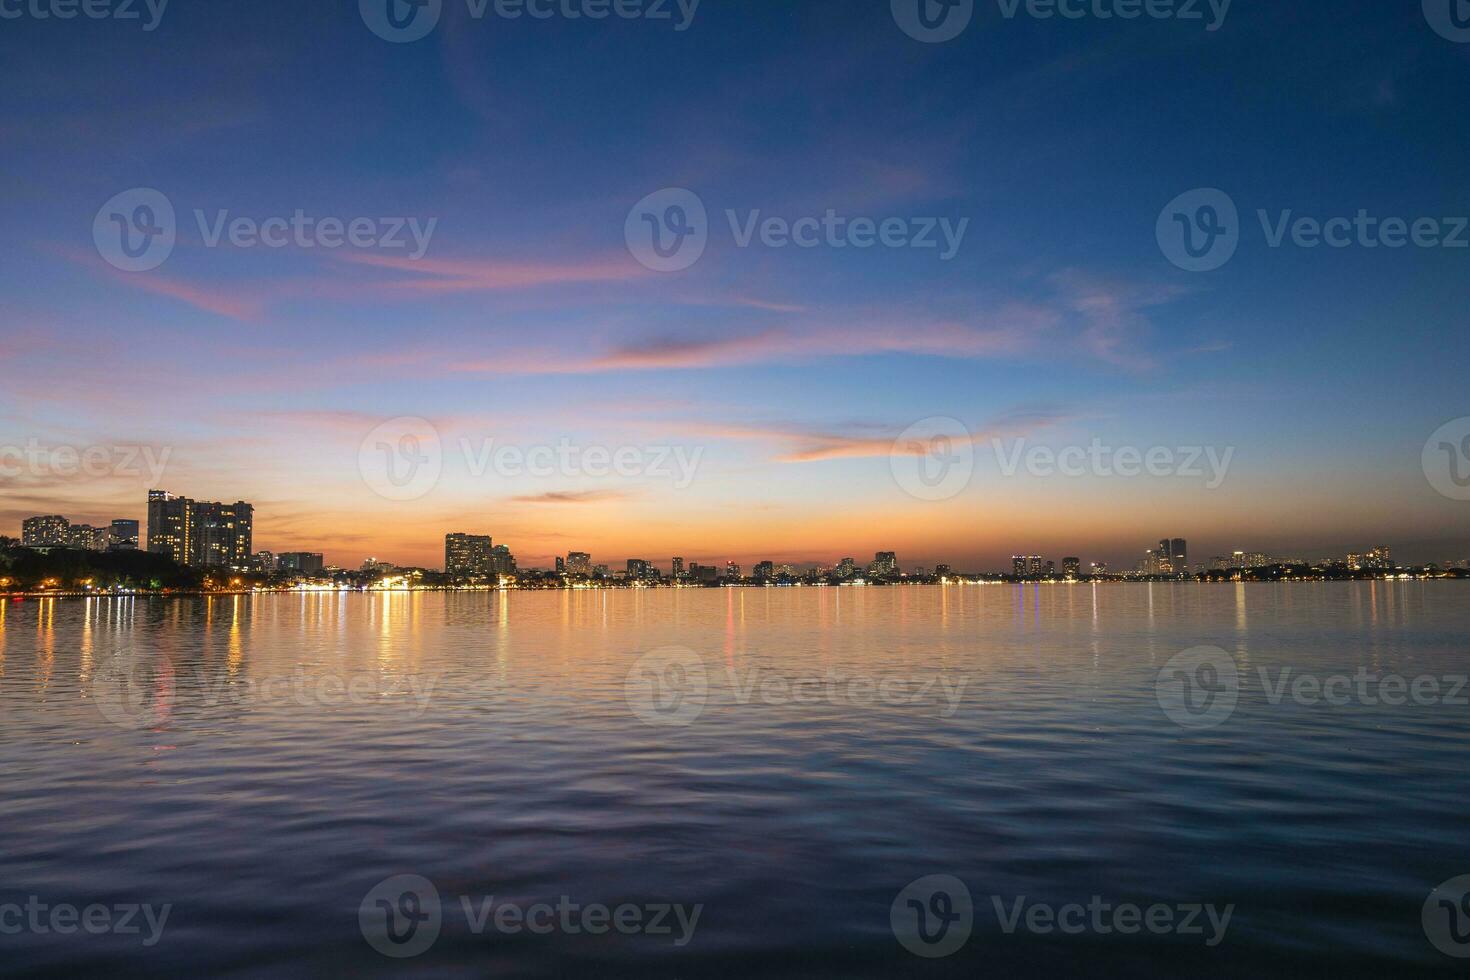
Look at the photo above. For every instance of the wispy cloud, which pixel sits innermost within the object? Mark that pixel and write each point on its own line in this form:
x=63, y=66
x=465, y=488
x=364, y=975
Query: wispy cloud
x=573, y=497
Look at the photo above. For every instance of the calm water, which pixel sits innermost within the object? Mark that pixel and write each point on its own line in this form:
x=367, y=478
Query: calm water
x=788, y=760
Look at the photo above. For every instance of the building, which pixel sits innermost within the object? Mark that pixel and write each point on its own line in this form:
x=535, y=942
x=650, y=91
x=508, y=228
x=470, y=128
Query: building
x=124, y=535
x=579, y=563
x=678, y=568
x=468, y=555
x=732, y=572
x=53, y=531
x=1027, y=566
x=1379, y=559
x=561, y=565
x=764, y=570
x=847, y=568
x=641, y=570
x=885, y=563
x=200, y=533
x=221, y=535
x=264, y=561
x=1072, y=567
x=502, y=562
x=303, y=562
x=168, y=526
x=943, y=571
x=1179, y=556
x=1099, y=568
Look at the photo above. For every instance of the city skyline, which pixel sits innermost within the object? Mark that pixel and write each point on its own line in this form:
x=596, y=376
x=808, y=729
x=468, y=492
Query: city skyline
x=205, y=534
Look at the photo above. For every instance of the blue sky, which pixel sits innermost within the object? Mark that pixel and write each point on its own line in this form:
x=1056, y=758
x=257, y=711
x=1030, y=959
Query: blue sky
x=528, y=320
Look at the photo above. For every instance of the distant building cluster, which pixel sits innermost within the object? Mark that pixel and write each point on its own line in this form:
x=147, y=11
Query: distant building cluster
x=476, y=556
x=55, y=531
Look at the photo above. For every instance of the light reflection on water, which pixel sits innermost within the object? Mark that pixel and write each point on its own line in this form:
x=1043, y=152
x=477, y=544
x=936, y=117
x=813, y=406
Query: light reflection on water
x=262, y=762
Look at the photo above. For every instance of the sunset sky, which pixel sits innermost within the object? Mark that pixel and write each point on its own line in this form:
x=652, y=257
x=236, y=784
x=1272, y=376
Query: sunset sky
x=790, y=371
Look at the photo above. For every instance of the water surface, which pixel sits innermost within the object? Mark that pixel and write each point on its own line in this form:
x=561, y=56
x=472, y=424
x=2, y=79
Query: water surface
x=262, y=763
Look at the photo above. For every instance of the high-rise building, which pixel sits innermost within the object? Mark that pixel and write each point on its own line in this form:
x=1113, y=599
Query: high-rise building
x=764, y=570
x=943, y=571
x=1018, y=566
x=168, y=525
x=678, y=568
x=305, y=562
x=264, y=561
x=468, y=555
x=886, y=563
x=579, y=563
x=200, y=533
x=123, y=536
x=641, y=569
x=561, y=565
x=221, y=535
x=85, y=537
x=1071, y=567
x=1179, y=556
x=732, y=571
x=847, y=568
x=502, y=562
x=52, y=531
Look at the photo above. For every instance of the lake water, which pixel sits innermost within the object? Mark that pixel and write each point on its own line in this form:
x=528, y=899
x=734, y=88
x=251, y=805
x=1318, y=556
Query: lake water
x=739, y=782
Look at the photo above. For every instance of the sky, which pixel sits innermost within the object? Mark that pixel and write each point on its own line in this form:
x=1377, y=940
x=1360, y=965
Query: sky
x=763, y=399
